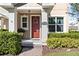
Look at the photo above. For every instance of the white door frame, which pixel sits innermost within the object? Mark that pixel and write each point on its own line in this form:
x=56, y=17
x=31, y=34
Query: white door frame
x=31, y=26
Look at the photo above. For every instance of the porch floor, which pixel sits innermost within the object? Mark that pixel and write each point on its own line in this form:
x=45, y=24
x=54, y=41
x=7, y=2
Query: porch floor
x=30, y=43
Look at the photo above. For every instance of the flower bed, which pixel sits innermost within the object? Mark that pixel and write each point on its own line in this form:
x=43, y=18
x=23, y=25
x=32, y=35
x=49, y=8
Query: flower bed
x=48, y=51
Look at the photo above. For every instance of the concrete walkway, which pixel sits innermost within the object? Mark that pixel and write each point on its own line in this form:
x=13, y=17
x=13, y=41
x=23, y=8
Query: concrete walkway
x=36, y=51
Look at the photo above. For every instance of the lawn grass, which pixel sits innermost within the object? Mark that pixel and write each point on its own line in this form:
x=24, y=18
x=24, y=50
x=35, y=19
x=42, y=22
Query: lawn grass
x=63, y=54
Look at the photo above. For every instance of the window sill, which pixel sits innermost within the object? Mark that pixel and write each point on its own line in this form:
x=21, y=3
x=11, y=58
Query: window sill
x=25, y=28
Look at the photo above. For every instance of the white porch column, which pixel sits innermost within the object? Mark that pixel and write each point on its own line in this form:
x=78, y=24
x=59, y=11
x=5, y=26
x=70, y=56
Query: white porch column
x=44, y=26
x=13, y=21
x=3, y=12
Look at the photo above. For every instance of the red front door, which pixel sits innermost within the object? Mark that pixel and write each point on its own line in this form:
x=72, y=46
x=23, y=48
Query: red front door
x=35, y=26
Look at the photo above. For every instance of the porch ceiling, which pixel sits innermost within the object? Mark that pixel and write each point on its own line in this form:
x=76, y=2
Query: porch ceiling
x=29, y=11
x=18, y=4
x=3, y=16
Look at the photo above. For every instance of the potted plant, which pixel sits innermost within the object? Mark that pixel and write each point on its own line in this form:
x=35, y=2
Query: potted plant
x=21, y=31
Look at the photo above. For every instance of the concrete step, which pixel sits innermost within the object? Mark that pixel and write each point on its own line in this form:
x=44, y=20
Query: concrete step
x=27, y=43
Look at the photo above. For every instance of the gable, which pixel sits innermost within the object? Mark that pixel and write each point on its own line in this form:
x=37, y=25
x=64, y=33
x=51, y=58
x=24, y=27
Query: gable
x=30, y=6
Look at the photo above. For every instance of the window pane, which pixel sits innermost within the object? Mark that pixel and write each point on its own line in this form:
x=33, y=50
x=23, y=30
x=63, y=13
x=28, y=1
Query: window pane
x=51, y=20
x=51, y=28
x=24, y=25
x=24, y=19
x=59, y=28
x=59, y=20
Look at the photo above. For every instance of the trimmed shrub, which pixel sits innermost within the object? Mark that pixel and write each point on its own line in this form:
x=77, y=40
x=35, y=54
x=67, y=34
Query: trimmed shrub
x=3, y=29
x=63, y=35
x=72, y=31
x=20, y=30
x=10, y=43
x=62, y=43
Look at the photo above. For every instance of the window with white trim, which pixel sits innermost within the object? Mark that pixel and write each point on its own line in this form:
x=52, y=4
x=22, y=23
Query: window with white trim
x=55, y=24
x=24, y=22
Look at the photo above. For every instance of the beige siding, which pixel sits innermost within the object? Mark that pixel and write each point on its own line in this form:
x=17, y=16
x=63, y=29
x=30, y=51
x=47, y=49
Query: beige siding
x=4, y=23
x=59, y=9
x=27, y=32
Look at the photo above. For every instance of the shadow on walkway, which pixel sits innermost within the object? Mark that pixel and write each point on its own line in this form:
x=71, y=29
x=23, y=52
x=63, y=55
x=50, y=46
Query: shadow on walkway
x=26, y=48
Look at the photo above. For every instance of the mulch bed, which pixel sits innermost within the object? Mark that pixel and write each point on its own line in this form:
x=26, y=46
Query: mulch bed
x=46, y=50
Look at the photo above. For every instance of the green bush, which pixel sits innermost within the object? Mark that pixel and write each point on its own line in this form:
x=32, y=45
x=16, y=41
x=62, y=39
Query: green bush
x=3, y=29
x=62, y=43
x=72, y=31
x=63, y=35
x=10, y=43
x=20, y=30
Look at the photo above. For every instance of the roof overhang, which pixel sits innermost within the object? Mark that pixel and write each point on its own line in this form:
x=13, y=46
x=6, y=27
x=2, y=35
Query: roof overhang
x=3, y=16
x=28, y=6
x=18, y=4
x=36, y=6
x=7, y=5
x=48, y=6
